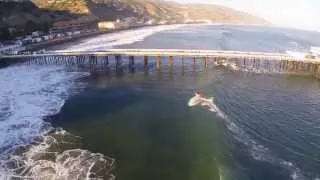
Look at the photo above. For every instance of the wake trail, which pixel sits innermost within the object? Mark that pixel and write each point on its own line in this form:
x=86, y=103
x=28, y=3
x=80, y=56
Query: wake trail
x=256, y=150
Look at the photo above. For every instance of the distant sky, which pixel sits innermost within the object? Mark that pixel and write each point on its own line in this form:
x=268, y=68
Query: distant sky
x=302, y=14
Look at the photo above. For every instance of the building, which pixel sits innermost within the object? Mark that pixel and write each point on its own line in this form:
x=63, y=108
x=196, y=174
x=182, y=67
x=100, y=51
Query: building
x=106, y=25
x=11, y=49
x=150, y=22
x=315, y=51
x=35, y=34
x=80, y=24
x=61, y=26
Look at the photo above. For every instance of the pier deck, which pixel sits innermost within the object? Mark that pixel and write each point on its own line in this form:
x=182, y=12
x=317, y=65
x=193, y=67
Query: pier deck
x=170, y=53
x=119, y=58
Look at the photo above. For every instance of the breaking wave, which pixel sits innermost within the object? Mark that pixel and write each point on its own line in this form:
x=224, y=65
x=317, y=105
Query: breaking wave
x=29, y=146
x=108, y=41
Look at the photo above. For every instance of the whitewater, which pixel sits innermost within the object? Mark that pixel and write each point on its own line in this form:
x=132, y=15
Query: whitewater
x=29, y=146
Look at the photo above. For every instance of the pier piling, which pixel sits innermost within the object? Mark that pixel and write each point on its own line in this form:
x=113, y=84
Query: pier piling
x=171, y=61
x=145, y=58
x=118, y=61
x=158, y=62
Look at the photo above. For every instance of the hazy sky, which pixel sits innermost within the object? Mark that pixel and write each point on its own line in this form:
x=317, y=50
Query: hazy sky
x=302, y=14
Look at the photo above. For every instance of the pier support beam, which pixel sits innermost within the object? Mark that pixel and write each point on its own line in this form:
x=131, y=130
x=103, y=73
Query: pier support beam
x=131, y=61
x=206, y=62
x=158, y=62
x=182, y=65
x=170, y=61
x=106, y=60
x=145, y=59
x=131, y=64
x=118, y=61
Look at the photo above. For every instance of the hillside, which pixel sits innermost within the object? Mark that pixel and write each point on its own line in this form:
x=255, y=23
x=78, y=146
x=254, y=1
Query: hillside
x=26, y=15
x=216, y=13
x=156, y=9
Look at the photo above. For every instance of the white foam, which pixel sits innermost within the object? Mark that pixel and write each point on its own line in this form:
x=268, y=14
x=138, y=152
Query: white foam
x=108, y=41
x=258, y=151
x=27, y=95
x=51, y=159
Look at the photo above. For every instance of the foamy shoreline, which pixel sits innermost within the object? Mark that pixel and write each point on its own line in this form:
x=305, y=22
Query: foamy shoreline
x=32, y=148
x=56, y=155
x=109, y=40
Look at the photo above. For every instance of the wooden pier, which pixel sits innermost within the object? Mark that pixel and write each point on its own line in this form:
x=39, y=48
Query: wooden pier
x=168, y=53
x=248, y=61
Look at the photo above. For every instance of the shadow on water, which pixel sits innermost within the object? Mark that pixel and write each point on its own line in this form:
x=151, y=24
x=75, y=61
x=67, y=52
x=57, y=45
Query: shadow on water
x=95, y=103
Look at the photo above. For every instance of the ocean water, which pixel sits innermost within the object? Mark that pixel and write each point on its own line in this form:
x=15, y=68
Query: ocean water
x=136, y=124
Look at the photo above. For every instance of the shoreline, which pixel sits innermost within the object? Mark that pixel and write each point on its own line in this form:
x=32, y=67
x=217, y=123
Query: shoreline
x=49, y=44
x=52, y=43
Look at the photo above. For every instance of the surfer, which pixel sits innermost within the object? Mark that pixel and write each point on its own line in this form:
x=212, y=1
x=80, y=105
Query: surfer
x=200, y=99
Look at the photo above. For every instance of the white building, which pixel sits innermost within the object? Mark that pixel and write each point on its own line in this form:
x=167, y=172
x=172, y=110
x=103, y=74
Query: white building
x=11, y=49
x=150, y=22
x=107, y=25
x=46, y=38
x=35, y=34
x=315, y=51
x=37, y=40
x=76, y=33
x=69, y=33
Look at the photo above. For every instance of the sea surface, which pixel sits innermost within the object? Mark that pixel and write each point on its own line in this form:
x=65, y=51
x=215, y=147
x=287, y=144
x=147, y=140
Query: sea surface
x=135, y=124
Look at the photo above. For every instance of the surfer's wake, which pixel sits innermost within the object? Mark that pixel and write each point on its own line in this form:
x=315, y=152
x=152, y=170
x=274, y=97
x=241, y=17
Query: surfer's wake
x=257, y=151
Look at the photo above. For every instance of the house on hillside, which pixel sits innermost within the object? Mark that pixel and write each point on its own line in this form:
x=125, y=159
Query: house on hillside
x=11, y=49
x=106, y=25
x=61, y=26
x=79, y=24
x=35, y=34
x=315, y=51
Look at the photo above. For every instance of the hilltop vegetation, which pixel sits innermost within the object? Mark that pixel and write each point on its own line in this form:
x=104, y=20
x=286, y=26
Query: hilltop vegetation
x=27, y=15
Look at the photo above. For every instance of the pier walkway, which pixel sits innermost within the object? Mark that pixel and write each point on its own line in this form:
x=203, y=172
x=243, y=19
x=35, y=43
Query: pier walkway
x=118, y=58
x=168, y=52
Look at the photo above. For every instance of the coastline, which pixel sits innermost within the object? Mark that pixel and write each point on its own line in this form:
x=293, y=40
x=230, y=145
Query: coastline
x=38, y=46
x=49, y=44
x=52, y=43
